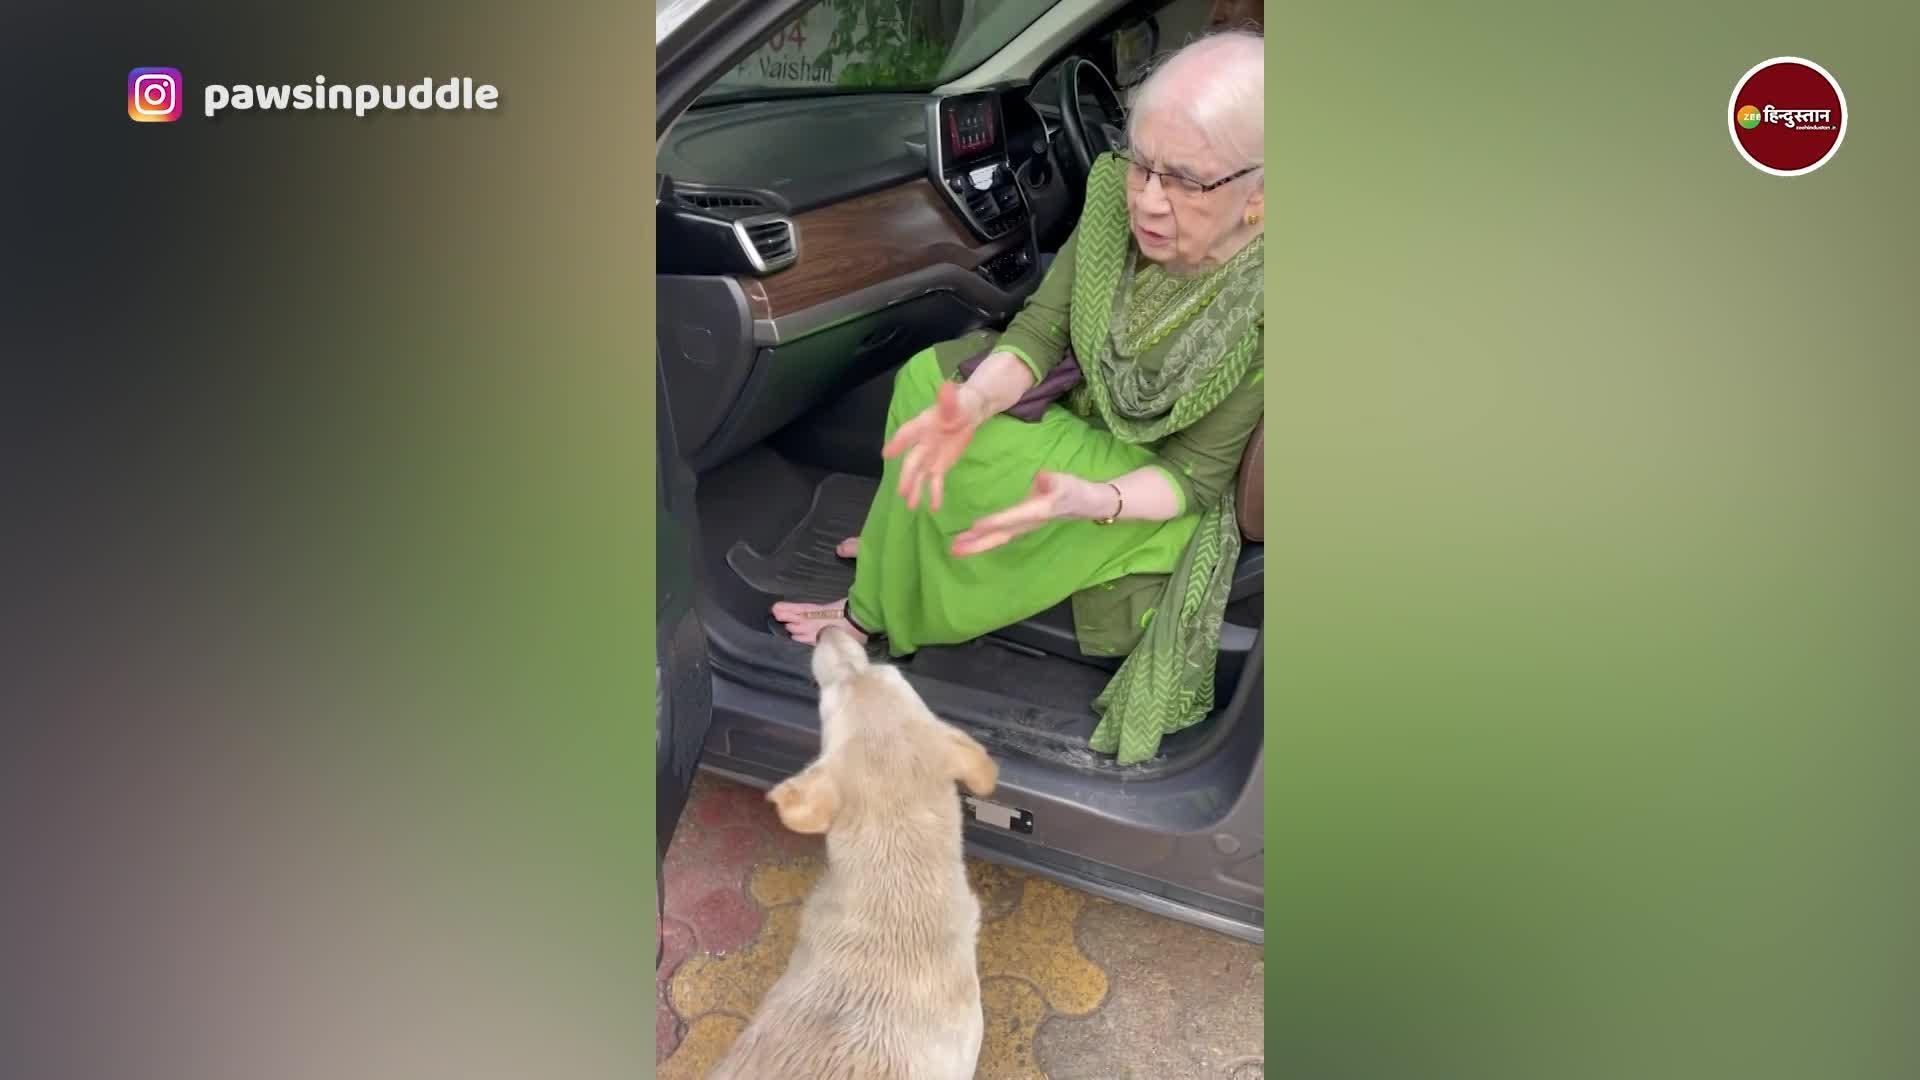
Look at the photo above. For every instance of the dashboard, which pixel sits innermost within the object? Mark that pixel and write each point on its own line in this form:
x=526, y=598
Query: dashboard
x=805, y=244
x=986, y=157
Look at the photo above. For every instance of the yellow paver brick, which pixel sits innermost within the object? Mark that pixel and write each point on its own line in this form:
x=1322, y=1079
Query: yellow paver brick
x=1036, y=943
x=1014, y=1011
x=708, y=1040
x=1030, y=967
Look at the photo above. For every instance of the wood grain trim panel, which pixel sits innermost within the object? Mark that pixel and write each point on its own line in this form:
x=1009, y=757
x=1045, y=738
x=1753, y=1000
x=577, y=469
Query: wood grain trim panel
x=867, y=240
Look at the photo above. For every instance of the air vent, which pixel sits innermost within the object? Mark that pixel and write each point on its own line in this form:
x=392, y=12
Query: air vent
x=773, y=240
x=769, y=241
x=716, y=201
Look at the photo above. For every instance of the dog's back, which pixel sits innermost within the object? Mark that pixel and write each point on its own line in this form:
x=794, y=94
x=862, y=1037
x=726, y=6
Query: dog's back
x=883, y=983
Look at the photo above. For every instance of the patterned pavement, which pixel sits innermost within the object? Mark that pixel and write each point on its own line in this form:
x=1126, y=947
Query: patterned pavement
x=1075, y=987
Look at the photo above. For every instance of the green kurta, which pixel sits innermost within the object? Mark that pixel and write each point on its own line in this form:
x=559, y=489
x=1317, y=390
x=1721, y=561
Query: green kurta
x=909, y=586
x=1203, y=460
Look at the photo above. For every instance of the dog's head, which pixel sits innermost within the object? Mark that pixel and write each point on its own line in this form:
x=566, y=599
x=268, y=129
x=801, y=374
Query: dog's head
x=879, y=744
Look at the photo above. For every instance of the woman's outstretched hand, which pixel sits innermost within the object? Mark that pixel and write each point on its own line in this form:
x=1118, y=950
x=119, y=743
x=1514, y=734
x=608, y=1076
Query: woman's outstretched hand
x=934, y=441
x=1052, y=497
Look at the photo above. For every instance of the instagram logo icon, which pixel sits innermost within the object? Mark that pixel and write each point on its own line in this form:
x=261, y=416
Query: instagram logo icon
x=153, y=95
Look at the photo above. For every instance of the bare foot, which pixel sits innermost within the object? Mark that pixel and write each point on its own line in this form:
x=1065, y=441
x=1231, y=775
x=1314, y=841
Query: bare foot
x=849, y=548
x=805, y=621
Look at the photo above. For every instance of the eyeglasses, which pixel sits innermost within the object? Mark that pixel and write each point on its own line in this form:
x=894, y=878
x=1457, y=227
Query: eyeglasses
x=1174, y=183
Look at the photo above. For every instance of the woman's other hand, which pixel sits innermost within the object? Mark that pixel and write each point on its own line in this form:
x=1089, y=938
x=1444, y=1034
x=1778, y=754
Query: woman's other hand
x=1053, y=497
x=934, y=441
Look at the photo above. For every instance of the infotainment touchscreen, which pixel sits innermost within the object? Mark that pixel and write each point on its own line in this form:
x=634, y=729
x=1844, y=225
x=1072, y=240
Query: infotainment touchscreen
x=970, y=128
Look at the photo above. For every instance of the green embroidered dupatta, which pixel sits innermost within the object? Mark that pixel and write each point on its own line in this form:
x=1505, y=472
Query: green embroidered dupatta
x=1166, y=682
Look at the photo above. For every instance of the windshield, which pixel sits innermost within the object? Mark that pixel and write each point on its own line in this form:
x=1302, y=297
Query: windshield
x=869, y=45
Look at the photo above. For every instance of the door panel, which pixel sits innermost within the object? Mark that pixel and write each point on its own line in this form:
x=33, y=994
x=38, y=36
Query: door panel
x=683, y=697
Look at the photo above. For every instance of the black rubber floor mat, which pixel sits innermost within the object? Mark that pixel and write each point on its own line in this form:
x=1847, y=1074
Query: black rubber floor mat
x=803, y=567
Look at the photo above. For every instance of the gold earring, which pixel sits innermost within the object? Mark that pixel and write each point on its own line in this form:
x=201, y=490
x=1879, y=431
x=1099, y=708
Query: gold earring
x=1253, y=217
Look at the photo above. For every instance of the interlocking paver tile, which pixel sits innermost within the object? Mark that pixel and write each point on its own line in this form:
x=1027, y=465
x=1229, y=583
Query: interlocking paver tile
x=1073, y=988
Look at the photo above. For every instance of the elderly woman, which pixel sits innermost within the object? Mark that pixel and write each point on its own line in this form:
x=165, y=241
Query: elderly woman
x=1120, y=494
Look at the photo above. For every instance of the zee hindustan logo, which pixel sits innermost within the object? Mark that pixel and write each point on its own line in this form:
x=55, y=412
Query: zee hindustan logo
x=1794, y=138
x=1751, y=117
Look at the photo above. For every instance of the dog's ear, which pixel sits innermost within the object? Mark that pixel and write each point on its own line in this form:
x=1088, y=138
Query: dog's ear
x=967, y=762
x=807, y=801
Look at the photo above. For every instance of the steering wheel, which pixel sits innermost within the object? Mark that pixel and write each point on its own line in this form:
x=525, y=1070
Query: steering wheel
x=1091, y=116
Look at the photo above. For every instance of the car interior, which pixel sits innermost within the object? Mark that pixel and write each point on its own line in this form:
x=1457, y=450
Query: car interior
x=809, y=245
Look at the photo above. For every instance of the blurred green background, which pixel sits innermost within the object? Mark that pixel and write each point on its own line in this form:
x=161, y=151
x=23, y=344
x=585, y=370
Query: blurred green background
x=1594, y=626
x=332, y=714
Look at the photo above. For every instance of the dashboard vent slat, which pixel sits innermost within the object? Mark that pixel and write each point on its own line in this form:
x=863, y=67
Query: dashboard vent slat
x=721, y=201
x=770, y=241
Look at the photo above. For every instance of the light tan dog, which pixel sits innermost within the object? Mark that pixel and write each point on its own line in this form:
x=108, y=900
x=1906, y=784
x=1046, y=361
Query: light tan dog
x=883, y=983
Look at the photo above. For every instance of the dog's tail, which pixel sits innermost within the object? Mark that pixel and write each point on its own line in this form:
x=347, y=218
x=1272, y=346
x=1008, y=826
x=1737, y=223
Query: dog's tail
x=837, y=657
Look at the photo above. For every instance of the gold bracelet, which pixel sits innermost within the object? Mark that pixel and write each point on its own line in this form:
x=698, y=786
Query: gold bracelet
x=1120, y=503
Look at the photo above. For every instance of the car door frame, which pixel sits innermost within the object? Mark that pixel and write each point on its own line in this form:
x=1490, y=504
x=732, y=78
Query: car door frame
x=733, y=28
x=683, y=698
x=683, y=671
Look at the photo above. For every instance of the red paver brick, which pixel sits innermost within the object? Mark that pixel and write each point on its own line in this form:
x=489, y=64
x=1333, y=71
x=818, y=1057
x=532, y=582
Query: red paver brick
x=677, y=943
x=738, y=846
x=731, y=804
x=784, y=843
x=731, y=845
x=724, y=920
x=719, y=861
x=689, y=846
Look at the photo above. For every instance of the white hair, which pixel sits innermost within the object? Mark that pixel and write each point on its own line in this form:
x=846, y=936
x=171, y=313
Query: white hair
x=1217, y=84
